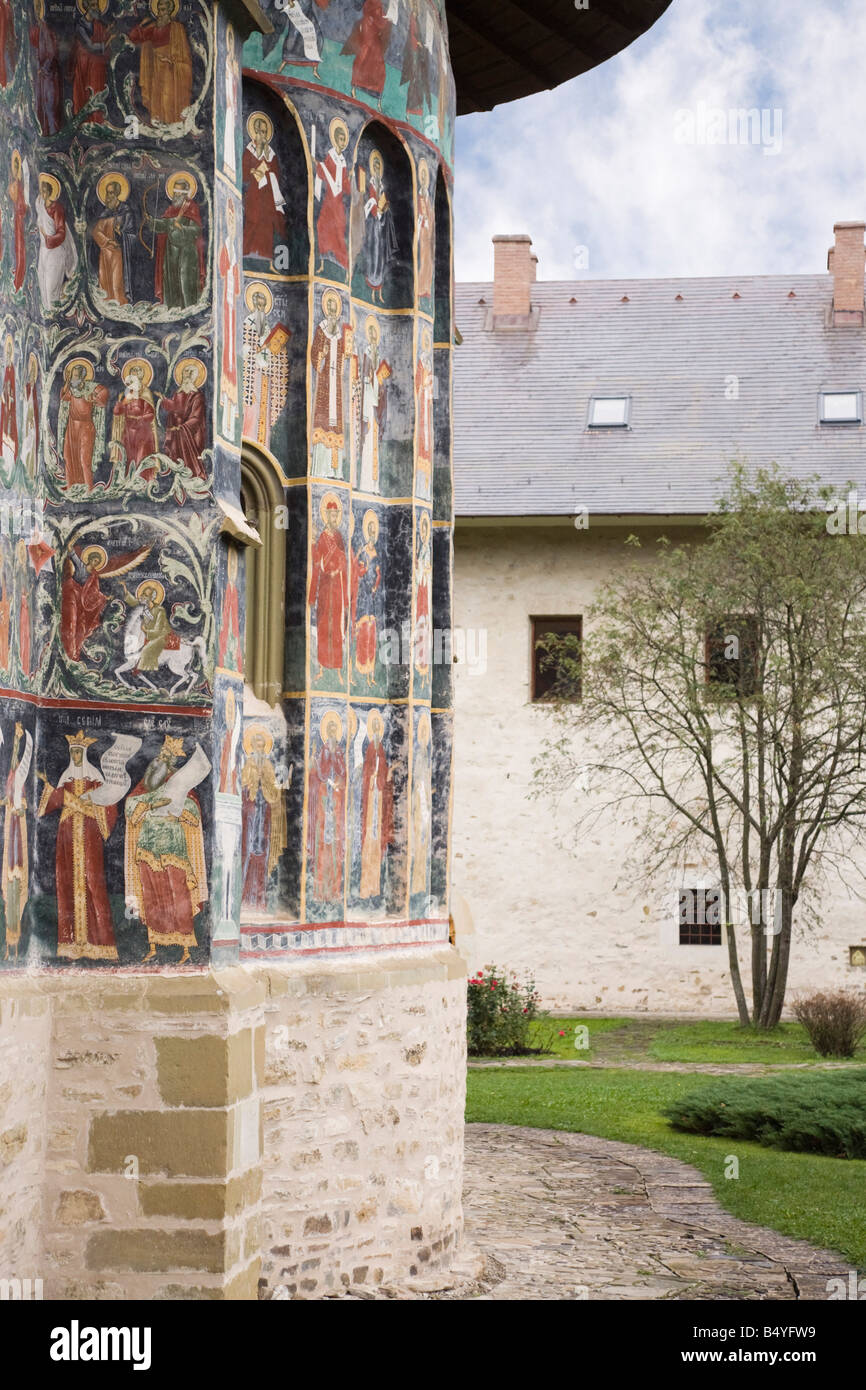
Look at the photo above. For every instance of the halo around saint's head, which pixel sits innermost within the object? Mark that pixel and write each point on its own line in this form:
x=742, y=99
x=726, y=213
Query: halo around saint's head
x=145, y=370
x=154, y=7
x=200, y=370
x=53, y=186
x=328, y=718
x=252, y=120
x=371, y=520
x=331, y=297
x=103, y=6
x=9, y=347
x=423, y=173
x=424, y=730
x=84, y=362
x=99, y=552
x=374, y=332
x=111, y=177
x=330, y=500
x=181, y=176
x=375, y=723
x=16, y=159
x=150, y=584
x=258, y=287
x=424, y=525
x=256, y=731
x=338, y=124
x=376, y=158
x=33, y=367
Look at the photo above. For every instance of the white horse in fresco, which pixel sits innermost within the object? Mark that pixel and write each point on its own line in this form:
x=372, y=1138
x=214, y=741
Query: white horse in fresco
x=179, y=659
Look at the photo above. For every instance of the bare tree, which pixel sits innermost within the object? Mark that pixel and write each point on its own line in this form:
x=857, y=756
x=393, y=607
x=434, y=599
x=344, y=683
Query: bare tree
x=723, y=686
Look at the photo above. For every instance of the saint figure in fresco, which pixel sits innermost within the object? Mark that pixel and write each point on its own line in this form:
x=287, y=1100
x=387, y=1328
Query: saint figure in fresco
x=426, y=231
x=266, y=365
x=133, y=430
x=149, y=619
x=377, y=808
x=232, y=89
x=380, y=238
x=422, y=800
x=179, y=273
x=114, y=235
x=230, y=629
x=19, y=197
x=47, y=83
x=25, y=621
x=30, y=434
x=424, y=416
x=264, y=204
x=423, y=579
x=89, y=55
x=326, y=819
x=328, y=587
x=334, y=192
x=15, y=872
x=186, y=427
x=5, y=618
x=415, y=74
x=165, y=71
x=82, y=600
x=9, y=412
x=368, y=44
x=166, y=878
x=370, y=403
x=7, y=42
x=230, y=276
x=302, y=41
x=263, y=817
x=331, y=343
x=81, y=422
x=85, y=930
x=58, y=257
x=367, y=596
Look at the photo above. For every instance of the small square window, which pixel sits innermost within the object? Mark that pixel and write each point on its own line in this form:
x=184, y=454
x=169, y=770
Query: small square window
x=700, y=917
x=545, y=674
x=841, y=407
x=609, y=412
x=732, y=654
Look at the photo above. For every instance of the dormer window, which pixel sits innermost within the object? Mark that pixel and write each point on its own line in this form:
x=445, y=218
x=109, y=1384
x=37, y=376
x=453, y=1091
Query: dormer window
x=841, y=407
x=609, y=412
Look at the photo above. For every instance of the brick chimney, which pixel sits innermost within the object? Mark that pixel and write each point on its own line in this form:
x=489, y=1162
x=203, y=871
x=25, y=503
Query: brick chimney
x=846, y=262
x=514, y=268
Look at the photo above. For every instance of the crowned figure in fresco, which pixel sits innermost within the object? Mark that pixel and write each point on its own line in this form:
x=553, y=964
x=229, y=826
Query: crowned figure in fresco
x=166, y=878
x=85, y=929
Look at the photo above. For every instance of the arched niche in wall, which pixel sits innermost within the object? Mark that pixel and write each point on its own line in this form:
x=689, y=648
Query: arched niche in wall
x=277, y=210
x=262, y=501
x=382, y=230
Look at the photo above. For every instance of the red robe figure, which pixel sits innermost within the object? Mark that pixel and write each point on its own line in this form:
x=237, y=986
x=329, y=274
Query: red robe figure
x=377, y=809
x=230, y=632
x=7, y=43
x=335, y=184
x=185, y=414
x=368, y=42
x=85, y=930
x=326, y=826
x=47, y=82
x=328, y=589
x=88, y=58
x=9, y=414
x=82, y=600
x=19, y=218
x=134, y=423
x=264, y=203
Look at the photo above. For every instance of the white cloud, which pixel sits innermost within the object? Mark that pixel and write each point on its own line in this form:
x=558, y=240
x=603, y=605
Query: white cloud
x=597, y=162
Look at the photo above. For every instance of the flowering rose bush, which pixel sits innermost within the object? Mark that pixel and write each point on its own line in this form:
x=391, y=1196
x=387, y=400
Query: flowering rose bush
x=500, y=1010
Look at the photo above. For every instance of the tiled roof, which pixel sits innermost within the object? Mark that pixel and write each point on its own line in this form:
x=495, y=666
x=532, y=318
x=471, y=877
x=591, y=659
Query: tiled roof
x=521, y=398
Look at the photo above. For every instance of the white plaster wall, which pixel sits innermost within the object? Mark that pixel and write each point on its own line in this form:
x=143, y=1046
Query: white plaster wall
x=593, y=937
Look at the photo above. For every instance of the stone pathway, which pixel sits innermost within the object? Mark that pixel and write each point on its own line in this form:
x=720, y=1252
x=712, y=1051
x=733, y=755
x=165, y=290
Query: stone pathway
x=565, y=1216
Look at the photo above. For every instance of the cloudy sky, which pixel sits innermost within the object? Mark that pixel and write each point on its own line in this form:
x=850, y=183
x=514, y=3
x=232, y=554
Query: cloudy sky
x=605, y=161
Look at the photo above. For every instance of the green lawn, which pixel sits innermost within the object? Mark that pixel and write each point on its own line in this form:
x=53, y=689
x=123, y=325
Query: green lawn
x=660, y=1040
x=813, y=1198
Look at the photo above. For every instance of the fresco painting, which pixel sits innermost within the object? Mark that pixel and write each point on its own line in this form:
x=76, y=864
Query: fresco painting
x=194, y=265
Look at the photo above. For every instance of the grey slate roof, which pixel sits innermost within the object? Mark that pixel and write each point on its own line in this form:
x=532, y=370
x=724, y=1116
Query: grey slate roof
x=521, y=446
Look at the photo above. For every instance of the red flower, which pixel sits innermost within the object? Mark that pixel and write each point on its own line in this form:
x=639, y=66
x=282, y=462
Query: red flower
x=561, y=1033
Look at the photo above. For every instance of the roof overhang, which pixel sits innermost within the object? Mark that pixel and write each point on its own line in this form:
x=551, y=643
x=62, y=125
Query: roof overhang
x=596, y=519
x=505, y=49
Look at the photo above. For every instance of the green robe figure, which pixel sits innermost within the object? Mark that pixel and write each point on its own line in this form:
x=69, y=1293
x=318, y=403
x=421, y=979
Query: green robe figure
x=152, y=623
x=179, y=270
